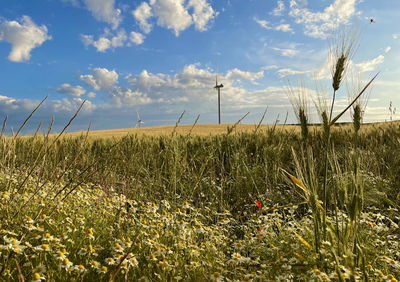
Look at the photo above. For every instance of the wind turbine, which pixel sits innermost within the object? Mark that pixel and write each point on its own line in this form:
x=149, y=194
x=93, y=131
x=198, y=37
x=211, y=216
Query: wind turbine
x=139, y=121
x=218, y=88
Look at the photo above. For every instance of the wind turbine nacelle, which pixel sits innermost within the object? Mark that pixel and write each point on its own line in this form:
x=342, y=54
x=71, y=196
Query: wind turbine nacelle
x=219, y=86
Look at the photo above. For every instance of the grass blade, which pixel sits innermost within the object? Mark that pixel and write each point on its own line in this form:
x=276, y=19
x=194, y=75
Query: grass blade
x=355, y=99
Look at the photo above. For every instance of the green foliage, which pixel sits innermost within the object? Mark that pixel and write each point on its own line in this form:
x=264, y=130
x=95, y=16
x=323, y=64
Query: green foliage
x=357, y=117
x=220, y=176
x=339, y=70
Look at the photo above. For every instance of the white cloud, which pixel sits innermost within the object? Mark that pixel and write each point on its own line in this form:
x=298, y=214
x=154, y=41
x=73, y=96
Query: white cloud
x=91, y=95
x=396, y=36
x=287, y=71
x=9, y=105
x=105, y=41
x=146, y=80
x=320, y=24
x=103, y=10
x=279, y=9
x=101, y=79
x=371, y=64
x=171, y=14
x=192, y=77
x=136, y=38
x=23, y=37
x=176, y=15
x=17, y=108
x=270, y=67
x=263, y=23
x=387, y=50
x=266, y=24
x=119, y=39
x=101, y=44
x=142, y=14
x=237, y=74
x=75, y=91
x=324, y=71
x=123, y=96
x=71, y=105
x=203, y=13
x=284, y=28
x=193, y=85
x=286, y=52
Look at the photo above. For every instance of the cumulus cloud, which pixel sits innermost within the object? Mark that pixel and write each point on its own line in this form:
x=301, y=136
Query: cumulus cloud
x=279, y=9
x=8, y=104
x=146, y=80
x=101, y=44
x=176, y=15
x=123, y=96
x=71, y=105
x=371, y=64
x=320, y=24
x=136, y=37
x=100, y=79
x=23, y=36
x=106, y=41
x=203, y=13
x=75, y=91
x=104, y=10
x=142, y=14
x=119, y=39
x=192, y=79
x=17, y=108
x=105, y=80
x=172, y=14
x=237, y=74
x=193, y=85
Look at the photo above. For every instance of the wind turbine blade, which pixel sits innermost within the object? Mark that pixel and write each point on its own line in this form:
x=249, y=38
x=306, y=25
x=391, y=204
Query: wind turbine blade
x=209, y=91
x=216, y=77
x=138, y=116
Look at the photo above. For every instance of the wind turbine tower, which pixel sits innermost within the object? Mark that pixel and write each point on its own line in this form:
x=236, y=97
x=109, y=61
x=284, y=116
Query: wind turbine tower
x=139, y=122
x=218, y=87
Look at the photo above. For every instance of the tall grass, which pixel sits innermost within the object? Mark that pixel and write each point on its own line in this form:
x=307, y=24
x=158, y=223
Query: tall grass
x=346, y=196
x=298, y=97
x=354, y=86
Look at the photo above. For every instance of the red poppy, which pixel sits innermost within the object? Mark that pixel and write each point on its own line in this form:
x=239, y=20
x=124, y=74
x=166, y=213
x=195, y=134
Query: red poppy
x=258, y=204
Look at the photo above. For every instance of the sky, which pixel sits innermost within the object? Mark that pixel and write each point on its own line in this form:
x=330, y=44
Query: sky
x=159, y=58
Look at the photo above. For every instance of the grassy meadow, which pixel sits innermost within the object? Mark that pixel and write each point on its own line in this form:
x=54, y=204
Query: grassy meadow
x=256, y=203
x=200, y=207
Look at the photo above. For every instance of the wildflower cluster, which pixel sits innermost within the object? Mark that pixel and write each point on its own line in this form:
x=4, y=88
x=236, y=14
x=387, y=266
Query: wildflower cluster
x=97, y=233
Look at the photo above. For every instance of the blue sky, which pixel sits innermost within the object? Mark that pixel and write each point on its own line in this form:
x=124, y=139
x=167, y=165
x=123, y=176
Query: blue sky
x=159, y=57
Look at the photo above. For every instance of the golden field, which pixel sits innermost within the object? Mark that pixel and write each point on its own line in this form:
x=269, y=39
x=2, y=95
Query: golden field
x=211, y=129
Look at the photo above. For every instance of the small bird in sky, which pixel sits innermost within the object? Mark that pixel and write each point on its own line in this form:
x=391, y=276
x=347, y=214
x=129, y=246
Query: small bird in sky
x=371, y=21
